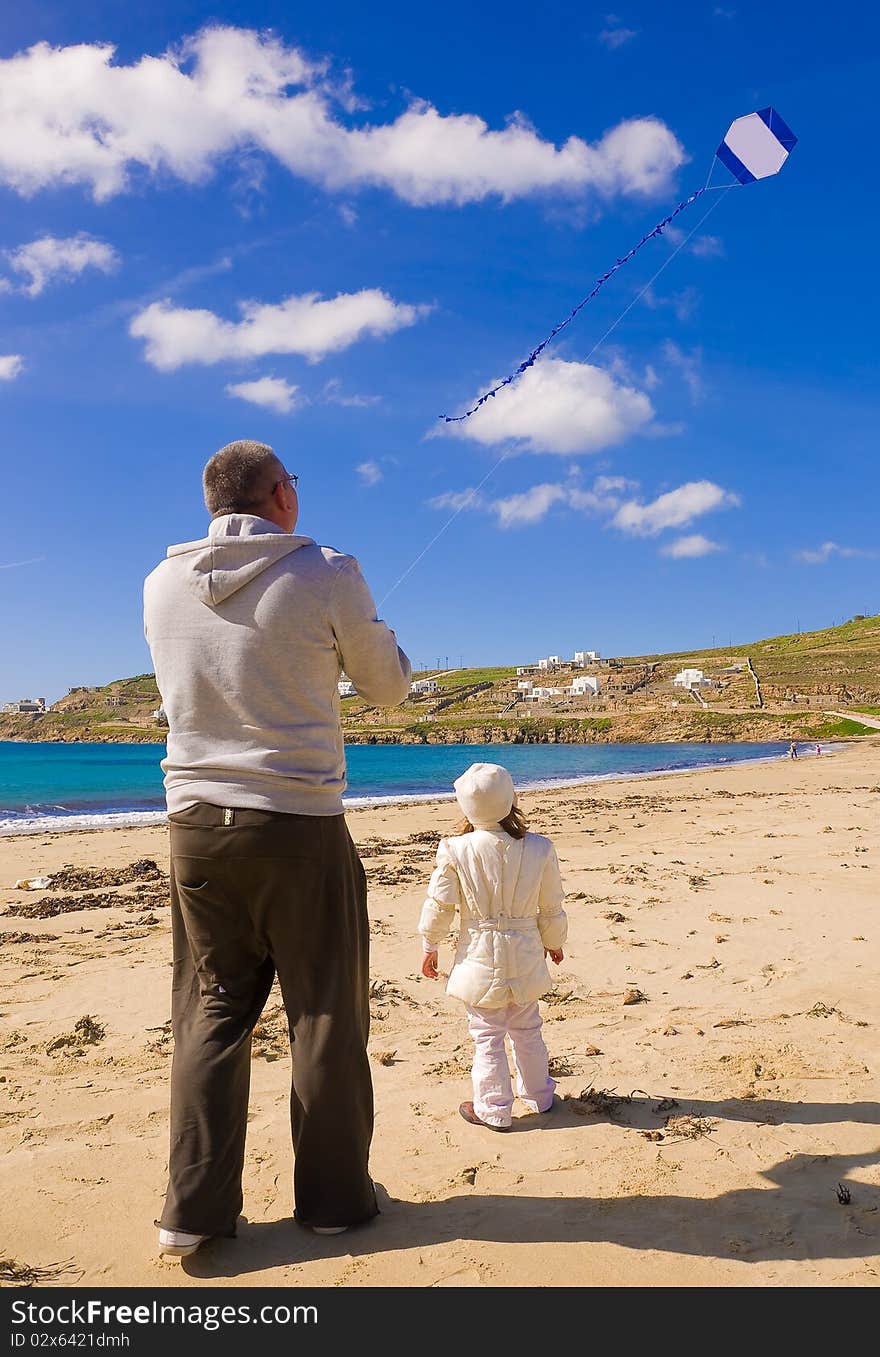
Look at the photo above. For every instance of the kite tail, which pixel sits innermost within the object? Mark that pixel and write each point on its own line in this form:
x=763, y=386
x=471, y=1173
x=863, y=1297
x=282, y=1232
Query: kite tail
x=536, y=353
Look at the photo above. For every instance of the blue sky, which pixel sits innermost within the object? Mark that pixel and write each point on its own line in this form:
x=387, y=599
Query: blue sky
x=407, y=206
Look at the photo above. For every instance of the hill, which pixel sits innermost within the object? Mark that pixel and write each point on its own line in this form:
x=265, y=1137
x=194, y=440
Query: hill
x=783, y=687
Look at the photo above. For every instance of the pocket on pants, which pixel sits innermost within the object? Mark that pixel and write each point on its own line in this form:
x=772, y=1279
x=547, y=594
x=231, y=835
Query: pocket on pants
x=224, y=949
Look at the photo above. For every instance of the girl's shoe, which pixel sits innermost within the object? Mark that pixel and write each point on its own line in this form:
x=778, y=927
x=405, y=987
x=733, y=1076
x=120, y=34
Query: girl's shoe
x=329, y=1229
x=467, y=1111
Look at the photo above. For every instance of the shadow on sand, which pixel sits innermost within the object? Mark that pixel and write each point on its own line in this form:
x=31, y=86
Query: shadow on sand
x=798, y=1217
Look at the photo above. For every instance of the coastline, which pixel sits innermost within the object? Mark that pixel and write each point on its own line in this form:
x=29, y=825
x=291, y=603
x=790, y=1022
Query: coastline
x=740, y=903
x=123, y=818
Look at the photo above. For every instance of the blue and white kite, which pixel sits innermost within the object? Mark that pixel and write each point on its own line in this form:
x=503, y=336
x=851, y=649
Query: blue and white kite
x=754, y=147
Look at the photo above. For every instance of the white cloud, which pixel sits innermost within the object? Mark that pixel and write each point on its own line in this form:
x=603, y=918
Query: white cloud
x=53, y=257
x=604, y=497
x=307, y=325
x=704, y=247
x=824, y=553
x=608, y=485
x=354, y=402
x=11, y=365
x=369, y=472
x=818, y=557
x=687, y=548
x=615, y=35
x=14, y=565
x=689, y=365
x=70, y=115
x=683, y=303
x=675, y=509
x=708, y=247
x=533, y=505
x=528, y=507
x=272, y=393
x=334, y=395
x=559, y=407
x=458, y=500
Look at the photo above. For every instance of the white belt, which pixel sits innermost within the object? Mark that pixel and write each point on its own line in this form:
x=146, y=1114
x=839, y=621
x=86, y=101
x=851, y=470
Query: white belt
x=505, y=924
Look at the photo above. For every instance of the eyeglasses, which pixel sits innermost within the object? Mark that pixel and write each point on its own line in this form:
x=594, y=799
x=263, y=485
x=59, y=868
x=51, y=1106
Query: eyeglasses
x=288, y=479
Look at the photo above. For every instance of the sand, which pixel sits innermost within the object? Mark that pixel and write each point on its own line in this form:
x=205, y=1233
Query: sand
x=731, y=1105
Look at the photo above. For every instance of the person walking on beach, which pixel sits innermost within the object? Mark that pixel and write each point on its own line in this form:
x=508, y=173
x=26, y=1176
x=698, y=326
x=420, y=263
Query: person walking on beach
x=792, y=750
x=249, y=630
x=505, y=884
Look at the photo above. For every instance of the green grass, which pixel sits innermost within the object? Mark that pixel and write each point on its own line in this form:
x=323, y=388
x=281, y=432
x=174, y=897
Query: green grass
x=861, y=629
x=868, y=711
x=827, y=730
x=465, y=678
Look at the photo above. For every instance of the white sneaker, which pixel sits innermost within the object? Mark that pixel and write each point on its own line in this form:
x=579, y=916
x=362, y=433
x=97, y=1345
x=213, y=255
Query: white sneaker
x=329, y=1229
x=180, y=1244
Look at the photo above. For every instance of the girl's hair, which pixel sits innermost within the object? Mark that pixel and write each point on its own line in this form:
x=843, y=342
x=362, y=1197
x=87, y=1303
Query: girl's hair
x=514, y=824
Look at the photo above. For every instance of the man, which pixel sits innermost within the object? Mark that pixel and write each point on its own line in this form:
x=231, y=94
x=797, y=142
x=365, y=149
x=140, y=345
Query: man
x=249, y=630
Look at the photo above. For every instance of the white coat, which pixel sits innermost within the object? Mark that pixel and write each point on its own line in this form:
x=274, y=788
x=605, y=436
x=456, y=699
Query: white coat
x=509, y=896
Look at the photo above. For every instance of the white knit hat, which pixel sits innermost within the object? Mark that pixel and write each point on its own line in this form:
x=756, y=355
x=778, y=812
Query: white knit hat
x=485, y=793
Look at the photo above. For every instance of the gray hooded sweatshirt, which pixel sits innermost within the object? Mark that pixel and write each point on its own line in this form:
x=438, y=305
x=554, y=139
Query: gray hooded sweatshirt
x=249, y=630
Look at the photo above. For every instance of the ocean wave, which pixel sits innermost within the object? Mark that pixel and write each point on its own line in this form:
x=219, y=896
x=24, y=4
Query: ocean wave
x=66, y=821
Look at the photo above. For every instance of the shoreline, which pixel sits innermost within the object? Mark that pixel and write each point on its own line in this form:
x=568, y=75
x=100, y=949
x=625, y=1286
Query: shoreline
x=78, y=822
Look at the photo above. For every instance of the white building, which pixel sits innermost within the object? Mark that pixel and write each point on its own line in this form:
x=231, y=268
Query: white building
x=159, y=716
x=423, y=686
x=27, y=706
x=586, y=685
x=525, y=685
x=584, y=657
x=525, y=669
x=345, y=688
x=691, y=678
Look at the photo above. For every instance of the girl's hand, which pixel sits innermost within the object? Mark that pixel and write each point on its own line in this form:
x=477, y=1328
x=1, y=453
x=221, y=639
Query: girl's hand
x=555, y=954
x=429, y=965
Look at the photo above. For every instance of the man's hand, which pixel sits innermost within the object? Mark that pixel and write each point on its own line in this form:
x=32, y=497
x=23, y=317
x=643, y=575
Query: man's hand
x=429, y=965
x=555, y=954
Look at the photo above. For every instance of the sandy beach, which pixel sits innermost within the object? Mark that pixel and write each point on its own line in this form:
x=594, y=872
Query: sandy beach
x=713, y=1030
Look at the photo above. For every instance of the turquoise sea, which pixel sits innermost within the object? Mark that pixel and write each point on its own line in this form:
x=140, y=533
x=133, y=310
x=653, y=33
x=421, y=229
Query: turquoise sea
x=75, y=786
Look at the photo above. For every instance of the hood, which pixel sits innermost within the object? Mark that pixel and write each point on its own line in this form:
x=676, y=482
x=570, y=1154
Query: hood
x=238, y=548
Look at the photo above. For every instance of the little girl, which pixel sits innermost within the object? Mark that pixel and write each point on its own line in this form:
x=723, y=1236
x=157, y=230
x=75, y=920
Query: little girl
x=506, y=886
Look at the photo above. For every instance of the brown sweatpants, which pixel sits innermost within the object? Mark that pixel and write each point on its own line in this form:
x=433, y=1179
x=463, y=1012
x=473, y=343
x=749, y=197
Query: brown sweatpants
x=254, y=893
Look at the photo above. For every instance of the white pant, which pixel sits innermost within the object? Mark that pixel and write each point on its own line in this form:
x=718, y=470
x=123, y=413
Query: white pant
x=493, y=1094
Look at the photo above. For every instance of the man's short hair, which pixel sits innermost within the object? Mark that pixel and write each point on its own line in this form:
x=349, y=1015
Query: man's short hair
x=238, y=479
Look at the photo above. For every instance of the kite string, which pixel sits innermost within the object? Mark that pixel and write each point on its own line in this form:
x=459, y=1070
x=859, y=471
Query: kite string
x=471, y=494
x=600, y=283
x=665, y=265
